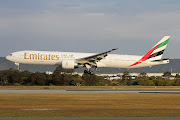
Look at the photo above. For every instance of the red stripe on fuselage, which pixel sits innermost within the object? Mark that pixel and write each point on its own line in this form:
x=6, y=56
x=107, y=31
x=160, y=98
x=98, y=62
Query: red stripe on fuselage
x=145, y=57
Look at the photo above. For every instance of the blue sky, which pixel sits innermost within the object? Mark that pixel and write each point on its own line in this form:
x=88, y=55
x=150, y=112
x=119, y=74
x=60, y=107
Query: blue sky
x=133, y=26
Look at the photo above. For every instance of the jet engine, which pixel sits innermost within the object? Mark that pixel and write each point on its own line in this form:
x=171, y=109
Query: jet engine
x=68, y=64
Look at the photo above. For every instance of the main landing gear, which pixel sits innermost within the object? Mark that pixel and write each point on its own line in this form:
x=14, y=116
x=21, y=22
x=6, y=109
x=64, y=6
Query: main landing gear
x=87, y=71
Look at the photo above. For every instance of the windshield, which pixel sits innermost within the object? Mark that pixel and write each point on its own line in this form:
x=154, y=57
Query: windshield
x=10, y=54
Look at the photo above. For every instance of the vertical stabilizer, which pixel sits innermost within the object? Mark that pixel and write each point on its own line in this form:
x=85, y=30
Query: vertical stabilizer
x=156, y=52
x=159, y=49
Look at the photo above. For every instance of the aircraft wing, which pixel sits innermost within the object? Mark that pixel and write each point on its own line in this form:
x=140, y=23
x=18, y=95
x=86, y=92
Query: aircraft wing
x=94, y=58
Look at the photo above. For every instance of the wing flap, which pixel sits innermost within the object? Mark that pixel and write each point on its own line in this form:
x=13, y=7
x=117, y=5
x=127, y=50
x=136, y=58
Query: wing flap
x=94, y=58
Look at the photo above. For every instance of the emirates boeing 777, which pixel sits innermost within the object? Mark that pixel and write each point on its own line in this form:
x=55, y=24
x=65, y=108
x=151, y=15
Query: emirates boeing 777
x=72, y=60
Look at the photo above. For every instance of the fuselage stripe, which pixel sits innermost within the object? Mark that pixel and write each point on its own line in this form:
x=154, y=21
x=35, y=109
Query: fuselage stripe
x=145, y=57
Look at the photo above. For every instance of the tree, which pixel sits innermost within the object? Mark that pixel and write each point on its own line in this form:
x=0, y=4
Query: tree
x=25, y=75
x=77, y=81
x=37, y=78
x=146, y=82
x=66, y=78
x=57, y=76
x=177, y=76
x=90, y=80
x=126, y=75
x=167, y=75
x=11, y=76
x=169, y=82
x=103, y=81
x=48, y=79
x=177, y=82
x=4, y=80
x=142, y=75
x=125, y=78
x=15, y=76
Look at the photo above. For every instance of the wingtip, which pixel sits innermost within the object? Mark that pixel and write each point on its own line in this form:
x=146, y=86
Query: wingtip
x=167, y=36
x=115, y=49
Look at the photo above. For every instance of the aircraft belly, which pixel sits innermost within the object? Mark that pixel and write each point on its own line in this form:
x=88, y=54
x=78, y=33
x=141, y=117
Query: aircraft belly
x=116, y=63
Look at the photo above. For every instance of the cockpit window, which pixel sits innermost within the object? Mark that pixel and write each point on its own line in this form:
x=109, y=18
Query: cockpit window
x=10, y=54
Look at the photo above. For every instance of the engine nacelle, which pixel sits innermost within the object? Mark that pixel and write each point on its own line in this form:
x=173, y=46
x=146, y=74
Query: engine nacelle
x=68, y=64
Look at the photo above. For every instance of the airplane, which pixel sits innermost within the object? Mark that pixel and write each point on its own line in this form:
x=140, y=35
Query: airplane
x=72, y=60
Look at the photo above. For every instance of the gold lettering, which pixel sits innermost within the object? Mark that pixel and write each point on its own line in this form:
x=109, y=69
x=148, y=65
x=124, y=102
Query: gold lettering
x=45, y=57
x=33, y=56
x=40, y=56
x=25, y=56
x=57, y=56
x=52, y=57
x=49, y=56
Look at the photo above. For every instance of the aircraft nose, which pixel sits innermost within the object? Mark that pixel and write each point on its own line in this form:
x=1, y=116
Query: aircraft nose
x=8, y=57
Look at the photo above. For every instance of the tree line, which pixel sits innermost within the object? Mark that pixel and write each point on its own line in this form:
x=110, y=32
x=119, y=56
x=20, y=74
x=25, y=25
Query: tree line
x=59, y=78
x=66, y=78
x=143, y=80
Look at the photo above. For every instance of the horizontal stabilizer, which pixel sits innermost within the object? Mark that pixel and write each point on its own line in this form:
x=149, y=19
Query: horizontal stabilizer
x=161, y=60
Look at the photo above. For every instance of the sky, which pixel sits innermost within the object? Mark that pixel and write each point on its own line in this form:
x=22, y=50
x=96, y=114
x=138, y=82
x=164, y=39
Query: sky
x=133, y=26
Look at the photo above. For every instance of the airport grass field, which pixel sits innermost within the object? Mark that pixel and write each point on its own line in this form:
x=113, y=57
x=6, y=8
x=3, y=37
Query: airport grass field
x=90, y=105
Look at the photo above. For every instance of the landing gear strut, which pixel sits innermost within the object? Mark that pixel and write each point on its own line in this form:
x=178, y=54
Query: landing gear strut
x=88, y=69
x=17, y=64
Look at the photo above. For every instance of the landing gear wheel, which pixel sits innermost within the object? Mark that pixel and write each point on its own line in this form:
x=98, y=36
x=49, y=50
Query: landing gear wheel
x=91, y=73
x=85, y=72
x=88, y=72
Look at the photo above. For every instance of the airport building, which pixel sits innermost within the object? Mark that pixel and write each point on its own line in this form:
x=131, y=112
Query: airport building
x=117, y=76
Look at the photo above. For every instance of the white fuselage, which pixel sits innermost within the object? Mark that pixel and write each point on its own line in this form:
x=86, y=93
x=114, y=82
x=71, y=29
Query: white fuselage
x=56, y=58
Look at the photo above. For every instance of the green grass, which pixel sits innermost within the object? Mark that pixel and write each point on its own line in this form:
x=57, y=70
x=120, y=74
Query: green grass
x=84, y=87
x=89, y=105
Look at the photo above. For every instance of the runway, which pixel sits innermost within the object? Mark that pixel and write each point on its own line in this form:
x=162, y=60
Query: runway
x=162, y=91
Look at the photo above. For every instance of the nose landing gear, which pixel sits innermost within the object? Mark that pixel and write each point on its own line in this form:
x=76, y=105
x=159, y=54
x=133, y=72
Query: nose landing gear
x=17, y=64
